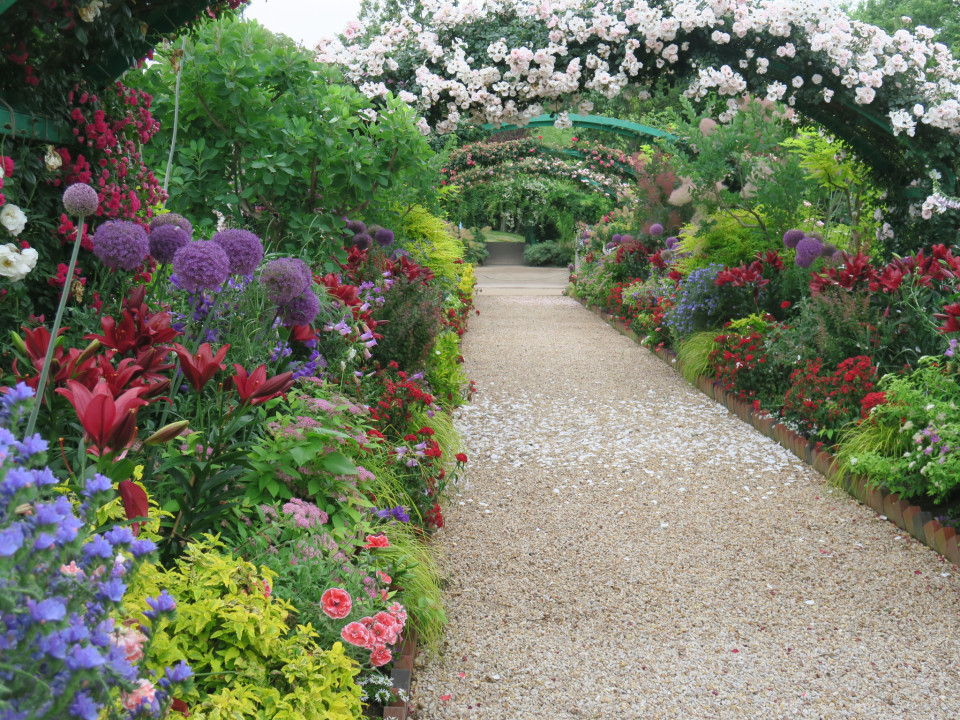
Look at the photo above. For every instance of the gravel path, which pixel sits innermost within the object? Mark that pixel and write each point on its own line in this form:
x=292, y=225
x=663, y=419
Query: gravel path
x=626, y=548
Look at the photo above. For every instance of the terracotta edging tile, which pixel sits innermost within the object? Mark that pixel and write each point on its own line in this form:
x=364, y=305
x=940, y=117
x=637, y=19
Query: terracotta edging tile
x=916, y=521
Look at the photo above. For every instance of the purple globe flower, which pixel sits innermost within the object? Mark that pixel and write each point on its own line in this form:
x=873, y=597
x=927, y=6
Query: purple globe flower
x=828, y=250
x=356, y=226
x=808, y=250
x=172, y=219
x=838, y=258
x=362, y=241
x=284, y=279
x=610, y=245
x=81, y=199
x=302, y=310
x=656, y=229
x=243, y=248
x=165, y=240
x=671, y=242
x=627, y=239
x=666, y=255
x=792, y=237
x=121, y=245
x=201, y=265
x=616, y=239
x=384, y=237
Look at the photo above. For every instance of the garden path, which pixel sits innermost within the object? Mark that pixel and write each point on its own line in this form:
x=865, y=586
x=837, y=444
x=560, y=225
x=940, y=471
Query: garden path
x=625, y=548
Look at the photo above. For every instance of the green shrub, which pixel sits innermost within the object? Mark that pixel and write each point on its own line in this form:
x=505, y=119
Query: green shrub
x=722, y=239
x=445, y=372
x=247, y=661
x=547, y=253
x=411, y=322
x=909, y=441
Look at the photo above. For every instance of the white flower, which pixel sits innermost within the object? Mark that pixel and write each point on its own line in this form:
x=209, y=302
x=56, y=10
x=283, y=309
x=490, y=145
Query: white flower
x=89, y=13
x=13, y=219
x=798, y=82
x=52, y=159
x=16, y=264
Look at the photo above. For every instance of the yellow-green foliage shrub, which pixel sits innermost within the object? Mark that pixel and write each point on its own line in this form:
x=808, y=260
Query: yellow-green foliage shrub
x=431, y=244
x=721, y=238
x=246, y=660
x=445, y=372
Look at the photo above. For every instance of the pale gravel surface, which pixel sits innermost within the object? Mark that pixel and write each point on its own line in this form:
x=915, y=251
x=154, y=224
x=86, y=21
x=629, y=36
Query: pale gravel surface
x=626, y=548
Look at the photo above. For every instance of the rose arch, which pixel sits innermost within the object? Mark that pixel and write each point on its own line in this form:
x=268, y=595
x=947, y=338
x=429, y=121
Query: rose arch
x=894, y=99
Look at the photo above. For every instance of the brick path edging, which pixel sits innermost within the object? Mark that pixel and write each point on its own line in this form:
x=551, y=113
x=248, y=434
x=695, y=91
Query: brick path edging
x=911, y=518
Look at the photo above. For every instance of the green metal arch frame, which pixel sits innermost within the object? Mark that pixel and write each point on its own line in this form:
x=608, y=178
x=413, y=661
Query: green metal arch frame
x=593, y=122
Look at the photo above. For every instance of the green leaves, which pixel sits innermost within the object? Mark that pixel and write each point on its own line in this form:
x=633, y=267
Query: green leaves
x=268, y=139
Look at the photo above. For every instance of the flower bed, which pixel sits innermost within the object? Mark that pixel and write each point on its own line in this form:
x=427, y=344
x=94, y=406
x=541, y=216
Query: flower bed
x=920, y=523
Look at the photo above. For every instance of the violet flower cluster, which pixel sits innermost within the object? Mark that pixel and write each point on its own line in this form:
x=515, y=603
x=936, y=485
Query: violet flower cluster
x=697, y=305
x=61, y=587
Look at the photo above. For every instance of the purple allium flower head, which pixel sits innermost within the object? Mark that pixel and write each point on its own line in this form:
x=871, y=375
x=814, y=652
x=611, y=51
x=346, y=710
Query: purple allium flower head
x=284, y=279
x=121, y=245
x=243, y=248
x=828, y=250
x=362, y=241
x=384, y=237
x=616, y=239
x=792, y=237
x=838, y=258
x=611, y=245
x=671, y=242
x=302, y=310
x=356, y=226
x=165, y=240
x=666, y=255
x=656, y=229
x=201, y=265
x=808, y=250
x=172, y=219
x=627, y=239
x=81, y=199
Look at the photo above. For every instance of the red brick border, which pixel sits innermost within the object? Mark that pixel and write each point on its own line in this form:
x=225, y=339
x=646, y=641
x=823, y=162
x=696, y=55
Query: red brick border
x=915, y=520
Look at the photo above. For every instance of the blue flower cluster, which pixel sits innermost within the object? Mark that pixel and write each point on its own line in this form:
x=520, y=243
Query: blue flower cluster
x=61, y=586
x=697, y=305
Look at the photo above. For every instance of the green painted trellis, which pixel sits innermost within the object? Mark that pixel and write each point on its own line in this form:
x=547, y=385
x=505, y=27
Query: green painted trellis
x=594, y=122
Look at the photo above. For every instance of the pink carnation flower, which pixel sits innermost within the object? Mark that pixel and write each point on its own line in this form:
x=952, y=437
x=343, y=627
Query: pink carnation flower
x=357, y=634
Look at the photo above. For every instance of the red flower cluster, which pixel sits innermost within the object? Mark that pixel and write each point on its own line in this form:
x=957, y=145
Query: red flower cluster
x=817, y=401
x=735, y=361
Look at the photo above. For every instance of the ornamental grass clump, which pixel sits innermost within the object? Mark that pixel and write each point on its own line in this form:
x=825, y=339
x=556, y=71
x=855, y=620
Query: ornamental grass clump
x=121, y=245
x=201, y=265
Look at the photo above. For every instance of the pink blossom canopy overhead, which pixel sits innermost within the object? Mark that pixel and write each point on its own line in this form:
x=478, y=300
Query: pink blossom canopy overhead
x=896, y=97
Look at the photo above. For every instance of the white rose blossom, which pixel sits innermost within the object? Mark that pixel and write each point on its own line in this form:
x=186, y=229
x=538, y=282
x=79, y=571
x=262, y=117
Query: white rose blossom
x=13, y=219
x=15, y=263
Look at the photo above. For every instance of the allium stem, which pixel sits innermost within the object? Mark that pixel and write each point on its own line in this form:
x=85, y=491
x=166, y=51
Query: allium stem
x=64, y=293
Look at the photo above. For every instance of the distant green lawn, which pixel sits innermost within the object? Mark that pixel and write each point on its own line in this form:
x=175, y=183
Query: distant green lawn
x=494, y=236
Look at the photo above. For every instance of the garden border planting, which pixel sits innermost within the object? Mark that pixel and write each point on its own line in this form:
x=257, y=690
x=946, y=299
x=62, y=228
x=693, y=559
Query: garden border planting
x=913, y=519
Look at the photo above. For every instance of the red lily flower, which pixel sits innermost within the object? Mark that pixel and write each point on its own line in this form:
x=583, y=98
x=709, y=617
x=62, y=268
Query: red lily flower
x=951, y=318
x=117, y=378
x=135, y=502
x=109, y=423
x=151, y=362
x=257, y=388
x=200, y=367
x=302, y=333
